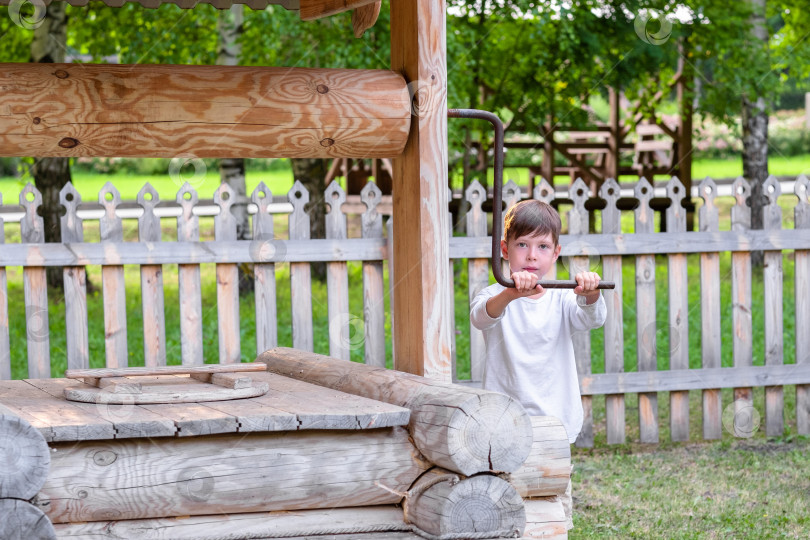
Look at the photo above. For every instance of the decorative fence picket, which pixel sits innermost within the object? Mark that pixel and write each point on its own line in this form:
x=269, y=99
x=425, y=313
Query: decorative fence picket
x=478, y=273
x=373, y=281
x=230, y=351
x=75, y=280
x=300, y=273
x=154, y=328
x=774, y=340
x=5, y=345
x=337, y=278
x=802, y=290
x=263, y=248
x=188, y=280
x=36, y=289
x=113, y=286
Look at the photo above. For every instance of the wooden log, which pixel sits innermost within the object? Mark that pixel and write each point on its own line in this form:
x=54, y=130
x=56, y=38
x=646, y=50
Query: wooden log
x=545, y=518
x=460, y=428
x=646, y=325
x=335, y=521
x=422, y=332
x=710, y=312
x=24, y=459
x=446, y=506
x=22, y=520
x=614, y=323
x=547, y=470
x=802, y=290
x=205, y=111
x=143, y=478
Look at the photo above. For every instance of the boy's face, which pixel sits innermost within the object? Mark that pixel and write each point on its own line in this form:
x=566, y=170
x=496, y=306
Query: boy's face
x=531, y=253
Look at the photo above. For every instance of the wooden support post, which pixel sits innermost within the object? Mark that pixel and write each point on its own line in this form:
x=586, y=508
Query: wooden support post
x=444, y=505
x=421, y=241
x=460, y=428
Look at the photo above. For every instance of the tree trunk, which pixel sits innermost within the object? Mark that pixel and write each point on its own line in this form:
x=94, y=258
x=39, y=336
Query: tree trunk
x=232, y=170
x=312, y=173
x=755, y=135
x=51, y=174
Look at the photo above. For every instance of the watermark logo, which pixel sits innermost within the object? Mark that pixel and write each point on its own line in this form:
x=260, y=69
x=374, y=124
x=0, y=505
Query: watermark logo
x=195, y=484
x=28, y=14
x=653, y=27
x=117, y=407
x=181, y=167
x=654, y=338
x=265, y=248
x=582, y=249
x=350, y=331
x=36, y=323
x=424, y=96
x=741, y=419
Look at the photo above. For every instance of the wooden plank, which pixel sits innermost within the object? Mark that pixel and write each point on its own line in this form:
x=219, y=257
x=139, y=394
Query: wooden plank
x=578, y=223
x=5, y=344
x=478, y=274
x=75, y=284
x=166, y=389
x=201, y=475
x=264, y=274
x=801, y=220
x=230, y=351
x=128, y=420
x=678, y=313
x=164, y=370
x=646, y=325
x=154, y=329
x=317, y=9
x=207, y=111
x=614, y=324
x=695, y=379
x=450, y=292
x=460, y=428
x=387, y=519
x=422, y=332
x=226, y=380
x=373, y=282
x=341, y=341
x=710, y=336
x=188, y=278
x=56, y=419
x=774, y=327
x=652, y=243
x=317, y=407
x=35, y=287
x=391, y=286
x=300, y=276
x=742, y=337
x=195, y=419
x=113, y=284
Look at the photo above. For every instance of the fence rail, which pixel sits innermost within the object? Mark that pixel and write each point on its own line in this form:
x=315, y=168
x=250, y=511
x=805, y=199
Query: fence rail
x=612, y=246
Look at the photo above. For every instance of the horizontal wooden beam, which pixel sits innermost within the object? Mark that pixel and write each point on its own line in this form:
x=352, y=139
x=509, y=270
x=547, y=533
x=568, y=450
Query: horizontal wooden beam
x=169, y=111
x=249, y=251
x=596, y=245
x=694, y=379
x=311, y=10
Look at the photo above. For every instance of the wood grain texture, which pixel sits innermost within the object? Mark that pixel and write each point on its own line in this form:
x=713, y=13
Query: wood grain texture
x=112, y=282
x=422, y=313
x=24, y=520
x=316, y=9
x=139, y=478
x=801, y=220
x=188, y=278
x=547, y=470
x=364, y=17
x=373, y=282
x=204, y=111
x=545, y=518
x=614, y=325
x=460, y=428
x=24, y=458
x=339, y=521
x=646, y=325
x=710, y=335
x=774, y=324
x=441, y=503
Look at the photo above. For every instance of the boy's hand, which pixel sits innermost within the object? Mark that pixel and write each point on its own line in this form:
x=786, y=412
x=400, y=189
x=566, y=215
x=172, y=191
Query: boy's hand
x=525, y=284
x=586, y=286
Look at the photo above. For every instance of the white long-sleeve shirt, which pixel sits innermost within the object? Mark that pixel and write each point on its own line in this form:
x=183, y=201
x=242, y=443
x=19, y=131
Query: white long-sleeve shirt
x=530, y=354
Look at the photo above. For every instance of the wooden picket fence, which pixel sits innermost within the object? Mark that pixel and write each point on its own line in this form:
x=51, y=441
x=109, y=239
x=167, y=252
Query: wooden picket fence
x=580, y=248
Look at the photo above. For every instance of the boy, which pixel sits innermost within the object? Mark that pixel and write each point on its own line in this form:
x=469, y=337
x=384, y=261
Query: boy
x=527, y=330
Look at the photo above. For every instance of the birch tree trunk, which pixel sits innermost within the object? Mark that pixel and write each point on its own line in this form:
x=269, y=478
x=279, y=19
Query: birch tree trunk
x=755, y=134
x=48, y=45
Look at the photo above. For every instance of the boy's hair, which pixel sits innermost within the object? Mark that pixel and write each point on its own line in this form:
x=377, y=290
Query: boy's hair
x=532, y=217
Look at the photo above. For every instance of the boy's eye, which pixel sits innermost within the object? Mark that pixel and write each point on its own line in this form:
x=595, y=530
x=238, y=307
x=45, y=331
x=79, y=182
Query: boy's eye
x=522, y=244
x=543, y=246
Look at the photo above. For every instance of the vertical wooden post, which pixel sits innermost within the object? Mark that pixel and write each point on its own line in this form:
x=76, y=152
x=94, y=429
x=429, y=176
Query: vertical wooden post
x=422, y=332
x=373, y=284
x=5, y=345
x=741, y=306
x=154, y=328
x=614, y=324
x=801, y=215
x=112, y=283
x=35, y=283
x=264, y=245
x=75, y=283
x=645, y=315
x=478, y=274
x=300, y=272
x=774, y=336
x=188, y=279
x=547, y=165
x=710, y=311
x=230, y=351
x=337, y=278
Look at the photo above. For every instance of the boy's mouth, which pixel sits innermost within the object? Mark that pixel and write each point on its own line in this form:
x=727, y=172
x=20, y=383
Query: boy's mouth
x=530, y=268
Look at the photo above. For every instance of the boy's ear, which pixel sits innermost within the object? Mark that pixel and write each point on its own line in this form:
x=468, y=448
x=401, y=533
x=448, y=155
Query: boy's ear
x=504, y=252
x=557, y=251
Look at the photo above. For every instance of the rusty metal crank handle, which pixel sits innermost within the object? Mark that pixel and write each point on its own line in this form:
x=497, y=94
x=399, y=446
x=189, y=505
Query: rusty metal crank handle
x=567, y=284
